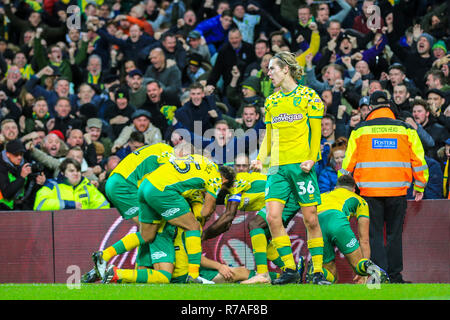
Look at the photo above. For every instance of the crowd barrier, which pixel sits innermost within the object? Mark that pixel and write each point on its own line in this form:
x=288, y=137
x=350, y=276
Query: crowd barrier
x=56, y=246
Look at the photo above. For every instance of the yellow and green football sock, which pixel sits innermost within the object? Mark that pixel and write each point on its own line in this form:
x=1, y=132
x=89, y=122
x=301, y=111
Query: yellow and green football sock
x=193, y=245
x=328, y=275
x=315, y=247
x=127, y=243
x=274, y=256
x=283, y=246
x=143, y=276
x=259, y=244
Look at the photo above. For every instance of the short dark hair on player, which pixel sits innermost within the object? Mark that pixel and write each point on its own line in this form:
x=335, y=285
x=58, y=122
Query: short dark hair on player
x=347, y=181
x=228, y=173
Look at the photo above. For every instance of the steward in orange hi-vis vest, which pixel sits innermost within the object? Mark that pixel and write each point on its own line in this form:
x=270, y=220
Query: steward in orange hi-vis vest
x=384, y=154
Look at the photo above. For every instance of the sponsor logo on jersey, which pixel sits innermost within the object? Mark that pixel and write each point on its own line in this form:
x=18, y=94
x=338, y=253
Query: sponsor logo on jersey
x=158, y=255
x=170, y=212
x=284, y=117
x=351, y=243
x=384, y=143
x=131, y=211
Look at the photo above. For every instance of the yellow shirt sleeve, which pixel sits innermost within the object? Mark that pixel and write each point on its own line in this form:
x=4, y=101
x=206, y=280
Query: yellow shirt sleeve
x=314, y=46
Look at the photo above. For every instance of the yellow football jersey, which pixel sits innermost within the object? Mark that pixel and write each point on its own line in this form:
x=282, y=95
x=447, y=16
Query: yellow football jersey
x=142, y=161
x=249, y=190
x=289, y=116
x=193, y=172
x=342, y=199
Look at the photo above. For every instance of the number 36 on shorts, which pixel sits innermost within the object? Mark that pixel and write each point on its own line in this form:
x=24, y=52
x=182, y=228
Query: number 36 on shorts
x=308, y=189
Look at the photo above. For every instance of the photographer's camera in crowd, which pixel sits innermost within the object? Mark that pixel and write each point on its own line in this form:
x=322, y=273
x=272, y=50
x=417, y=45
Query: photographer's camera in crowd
x=36, y=168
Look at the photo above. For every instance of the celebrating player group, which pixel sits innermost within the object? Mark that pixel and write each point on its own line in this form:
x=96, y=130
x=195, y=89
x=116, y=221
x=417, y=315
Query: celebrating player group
x=171, y=192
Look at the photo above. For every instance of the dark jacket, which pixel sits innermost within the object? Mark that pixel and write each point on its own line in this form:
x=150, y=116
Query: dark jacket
x=439, y=134
x=13, y=186
x=128, y=47
x=227, y=58
x=113, y=111
x=189, y=113
x=14, y=111
x=415, y=65
x=50, y=34
x=69, y=122
x=433, y=189
x=327, y=179
x=13, y=94
x=37, y=90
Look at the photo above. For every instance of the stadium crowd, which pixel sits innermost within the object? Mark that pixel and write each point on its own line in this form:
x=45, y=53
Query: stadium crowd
x=96, y=85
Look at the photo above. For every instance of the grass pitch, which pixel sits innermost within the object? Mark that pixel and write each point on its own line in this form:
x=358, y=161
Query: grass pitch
x=223, y=292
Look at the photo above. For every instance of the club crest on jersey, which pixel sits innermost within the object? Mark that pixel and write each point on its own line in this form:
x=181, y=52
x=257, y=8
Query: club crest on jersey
x=297, y=101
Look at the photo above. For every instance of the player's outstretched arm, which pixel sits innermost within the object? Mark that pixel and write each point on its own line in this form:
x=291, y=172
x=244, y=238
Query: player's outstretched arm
x=209, y=206
x=222, y=224
x=363, y=232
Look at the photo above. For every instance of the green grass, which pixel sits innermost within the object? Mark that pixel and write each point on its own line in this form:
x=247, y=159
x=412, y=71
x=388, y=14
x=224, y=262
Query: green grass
x=223, y=292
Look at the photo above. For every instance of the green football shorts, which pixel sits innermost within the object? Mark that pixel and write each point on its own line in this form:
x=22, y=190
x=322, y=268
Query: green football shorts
x=123, y=195
x=162, y=248
x=143, y=258
x=291, y=208
x=156, y=205
x=284, y=180
x=336, y=231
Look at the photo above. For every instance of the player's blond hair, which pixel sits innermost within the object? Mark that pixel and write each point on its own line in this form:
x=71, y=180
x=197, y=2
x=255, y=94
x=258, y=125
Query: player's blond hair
x=286, y=58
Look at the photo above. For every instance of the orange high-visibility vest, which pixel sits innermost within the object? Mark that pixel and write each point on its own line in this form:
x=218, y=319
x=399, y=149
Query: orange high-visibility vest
x=384, y=155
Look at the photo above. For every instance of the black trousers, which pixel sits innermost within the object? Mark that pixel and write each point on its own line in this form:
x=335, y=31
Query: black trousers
x=389, y=212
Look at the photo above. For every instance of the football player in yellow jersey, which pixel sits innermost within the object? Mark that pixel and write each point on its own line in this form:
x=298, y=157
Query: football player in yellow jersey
x=122, y=184
x=169, y=261
x=337, y=207
x=293, y=130
x=247, y=194
x=210, y=271
x=161, y=198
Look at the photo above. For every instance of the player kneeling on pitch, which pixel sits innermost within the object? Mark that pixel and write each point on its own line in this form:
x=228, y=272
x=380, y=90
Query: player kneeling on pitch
x=337, y=207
